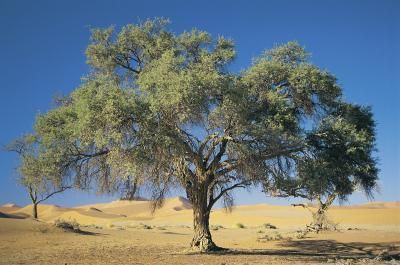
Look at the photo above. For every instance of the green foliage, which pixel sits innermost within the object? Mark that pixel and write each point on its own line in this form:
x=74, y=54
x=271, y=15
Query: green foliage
x=41, y=175
x=164, y=108
x=343, y=148
x=338, y=160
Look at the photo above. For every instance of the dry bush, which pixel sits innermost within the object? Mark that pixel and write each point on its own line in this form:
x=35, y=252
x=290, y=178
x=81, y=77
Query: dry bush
x=240, y=225
x=269, y=226
x=274, y=237
x=216, y=227
x=144, y=226
x=67, y=225
x=301, y=234
x=93, y=226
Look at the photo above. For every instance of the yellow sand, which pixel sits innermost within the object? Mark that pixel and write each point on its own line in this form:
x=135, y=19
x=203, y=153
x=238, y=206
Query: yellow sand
x=177, y=211
x=115, y=234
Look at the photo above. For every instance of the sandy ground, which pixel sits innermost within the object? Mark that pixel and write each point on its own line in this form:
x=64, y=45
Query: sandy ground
x=124, y=232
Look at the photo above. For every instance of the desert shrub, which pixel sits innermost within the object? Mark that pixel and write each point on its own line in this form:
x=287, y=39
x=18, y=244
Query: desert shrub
x=216, y=227
x=69, y=225
x=260, y=231
x=269, y=226
x=92, y=226
x=143, y=226
x=273, y=237
x=301, y=234
x=240, y=225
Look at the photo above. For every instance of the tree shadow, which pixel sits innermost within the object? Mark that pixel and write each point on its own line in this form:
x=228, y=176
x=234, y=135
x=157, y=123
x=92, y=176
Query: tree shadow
x=14, y=216
x=344, y=250
x=320, y=250
x=82, y=232
x=175, y=233
x=88, y=233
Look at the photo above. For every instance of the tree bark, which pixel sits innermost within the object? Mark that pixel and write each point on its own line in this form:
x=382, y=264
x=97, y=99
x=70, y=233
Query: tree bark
x=320, y=217
x=34, y=200
x=130, y=189
x=35, y=211
x=202, y=239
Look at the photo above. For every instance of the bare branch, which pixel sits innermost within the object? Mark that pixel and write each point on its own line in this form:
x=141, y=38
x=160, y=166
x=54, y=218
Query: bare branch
x=242, y=184
x=54, y=192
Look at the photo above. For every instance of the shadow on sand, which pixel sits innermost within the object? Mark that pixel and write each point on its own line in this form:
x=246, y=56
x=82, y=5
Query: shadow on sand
x=320, y=250
x=87, y=233
x=14, y=216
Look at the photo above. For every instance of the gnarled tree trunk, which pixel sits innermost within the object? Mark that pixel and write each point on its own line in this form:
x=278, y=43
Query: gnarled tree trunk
x=202, y=239
x=320, y=217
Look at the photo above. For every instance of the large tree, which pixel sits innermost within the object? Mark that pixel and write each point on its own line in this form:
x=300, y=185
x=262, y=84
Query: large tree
x=41, y=176
x=338, y=159
x=166, y=108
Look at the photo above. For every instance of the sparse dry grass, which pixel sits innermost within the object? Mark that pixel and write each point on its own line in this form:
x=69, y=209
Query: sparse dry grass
x=372, y=239
x=21, y=243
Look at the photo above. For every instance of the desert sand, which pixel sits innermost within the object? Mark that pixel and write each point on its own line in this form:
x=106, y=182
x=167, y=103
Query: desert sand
x=127, y=232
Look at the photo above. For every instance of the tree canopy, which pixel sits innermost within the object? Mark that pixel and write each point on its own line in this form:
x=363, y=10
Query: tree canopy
x=42, y=176
x=165, y=108
x=338, y=160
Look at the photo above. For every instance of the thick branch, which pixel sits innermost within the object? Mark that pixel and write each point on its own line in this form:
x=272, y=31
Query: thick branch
x=217, y=158
x=206, y=141
x=241, y=184
x=32, y=194
x=291, y=191
x=126, y=66
x=226, y=167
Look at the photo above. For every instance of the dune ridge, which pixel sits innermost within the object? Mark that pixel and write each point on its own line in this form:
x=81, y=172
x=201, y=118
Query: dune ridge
x=178, y=211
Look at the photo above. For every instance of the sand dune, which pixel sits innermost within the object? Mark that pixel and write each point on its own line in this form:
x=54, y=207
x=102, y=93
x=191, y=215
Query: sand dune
x=104, y=213
x=178, y=211
x=372, y=205
x=9, y=207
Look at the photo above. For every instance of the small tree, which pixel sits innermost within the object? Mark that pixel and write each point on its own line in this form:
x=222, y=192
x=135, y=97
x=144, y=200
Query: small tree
x=165, y=107
x=339, y=160
x=37, y=174
x=130, y=188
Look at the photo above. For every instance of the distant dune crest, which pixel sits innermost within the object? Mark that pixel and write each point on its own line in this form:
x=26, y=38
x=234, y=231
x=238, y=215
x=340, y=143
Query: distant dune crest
x=119, y=210
x=178, y=210
x=10, y=205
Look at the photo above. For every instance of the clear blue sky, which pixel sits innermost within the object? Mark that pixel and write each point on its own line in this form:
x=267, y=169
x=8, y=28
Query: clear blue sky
x=42, y=48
